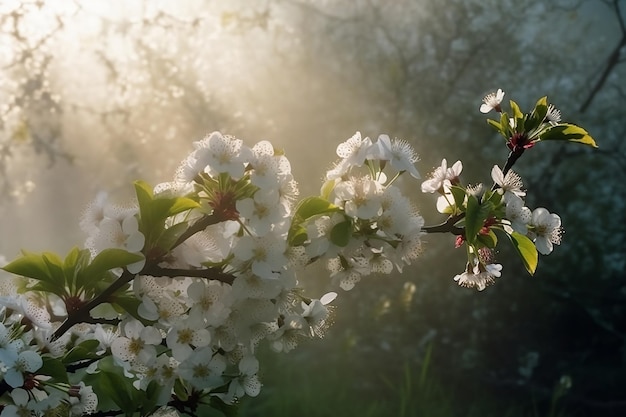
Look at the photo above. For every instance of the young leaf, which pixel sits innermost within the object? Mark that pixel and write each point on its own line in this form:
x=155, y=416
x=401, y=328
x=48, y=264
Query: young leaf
x=30, y=265
x=83, y=351
x=53, y=368
x=341, y=233
x=171, y=235
x=180, y=204
x=313, y=206
x=497, y=126
x=535, y=119
x=458, y=193
x=518, y=116
x=109, y=259
x=568, y=132
x=475, y=217
x=307, y=208
x=526, y=250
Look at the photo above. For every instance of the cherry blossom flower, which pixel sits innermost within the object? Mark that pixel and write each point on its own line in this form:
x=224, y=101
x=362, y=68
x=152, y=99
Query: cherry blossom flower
x=399, y=153
x=21, y=405
x=221, y=154
x=119, y=233
x=360, y=197
x=353, y=152
x=186, y=335
x=518, y=215
x=510, y=184
x=262, y=211
x=492, y=102
x=545, y=230
x=17, y=364
x=480, y=276
x=202, y=372
x=83, y=400
x=247, y=383
x=268, y=167
x=442, y=176
x=137, y=344
x=316, y=314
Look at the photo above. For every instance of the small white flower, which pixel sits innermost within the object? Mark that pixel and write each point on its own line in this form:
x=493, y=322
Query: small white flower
x=441, y=176
x=266, y=255
x=518, y=215
x=360, y=197
x=83, y=400
x=17, y=364
x=203, y=369
x=263, y=211
x=186, y=335
x=353, y=152
x=120, y=233
x=554, y=115
x=510, y=184
x=21, y=405
x=316, y=314
x=219, y=154
x=138, y=344
x=268, y=168
x=545, y=230
x=347, y=277
x=399, y=153
x=492, y=101
x=479, y=277
x=248, y=382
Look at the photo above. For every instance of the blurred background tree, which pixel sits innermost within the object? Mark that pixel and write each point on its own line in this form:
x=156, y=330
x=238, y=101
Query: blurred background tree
x=96, y=94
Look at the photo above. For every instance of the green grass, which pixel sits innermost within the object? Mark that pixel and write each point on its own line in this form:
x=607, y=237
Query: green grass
x=340, y=385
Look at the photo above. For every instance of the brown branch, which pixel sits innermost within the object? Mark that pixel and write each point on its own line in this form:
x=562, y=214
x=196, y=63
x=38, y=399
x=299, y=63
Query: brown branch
x=151, y=268
x=82, y=314
x=208, y=273
x=612, y=61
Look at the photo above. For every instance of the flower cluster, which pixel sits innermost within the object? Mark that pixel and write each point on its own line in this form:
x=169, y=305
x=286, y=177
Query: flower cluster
x=369, y=227
x=165, y=308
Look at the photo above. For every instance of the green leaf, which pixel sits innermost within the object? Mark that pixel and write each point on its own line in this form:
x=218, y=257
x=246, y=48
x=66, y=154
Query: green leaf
x=496, y=125
x=83, y=351
x=171, y=235
x=307, y=208
x=229, y=410
x=505, y=126
x=297, y=236
x=109, y=259
x=128, y=304
x=568, y=132
x=53, y=368
x=475, y=217
x=144, y=198
x=341, y=233
x=75, y=261
x=30, y=265
x=180, y=204
x=117, y=388
x=458, y=193
x=180, y=391
x=518, y=116
x=313, y=206
x=154, y=211
x=526, y=250
x=536, y=118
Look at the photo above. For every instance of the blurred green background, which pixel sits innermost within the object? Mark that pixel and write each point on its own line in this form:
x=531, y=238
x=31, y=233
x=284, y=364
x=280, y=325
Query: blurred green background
x=96, y=94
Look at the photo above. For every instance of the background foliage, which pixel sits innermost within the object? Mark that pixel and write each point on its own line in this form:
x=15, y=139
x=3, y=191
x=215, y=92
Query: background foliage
x=96, y=94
